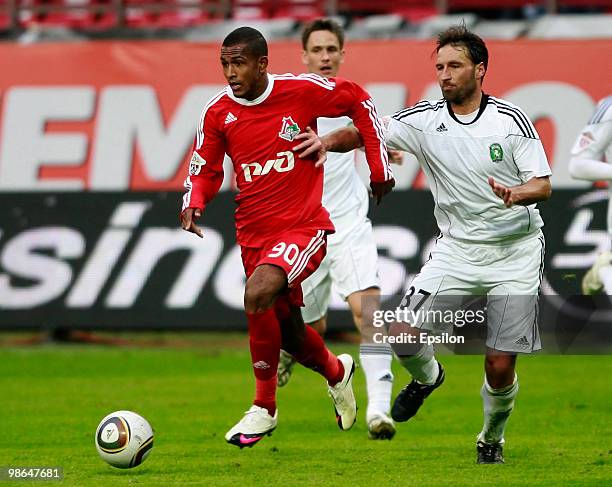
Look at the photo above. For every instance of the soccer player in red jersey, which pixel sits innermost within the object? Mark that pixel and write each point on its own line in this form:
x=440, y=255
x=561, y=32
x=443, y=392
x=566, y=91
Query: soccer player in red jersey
x=259, y=120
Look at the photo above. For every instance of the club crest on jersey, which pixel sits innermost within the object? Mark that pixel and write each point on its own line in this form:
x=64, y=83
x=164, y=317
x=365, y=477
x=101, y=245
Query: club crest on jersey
x=586, y=140
x=496, y=152
x=289, y=129
x=195, y=164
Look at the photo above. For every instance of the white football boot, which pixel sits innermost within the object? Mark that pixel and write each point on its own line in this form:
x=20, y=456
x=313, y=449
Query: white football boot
x=342, y=395
x=285, y=367
x=591, y=283
x=255, y=424
x=380, y=426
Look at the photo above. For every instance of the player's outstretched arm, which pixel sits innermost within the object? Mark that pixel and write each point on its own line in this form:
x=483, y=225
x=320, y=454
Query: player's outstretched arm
x=534, y=190
x=341, y=140
x=589, y=149
x=188, y=217
x=590, y=169
x=345, y=139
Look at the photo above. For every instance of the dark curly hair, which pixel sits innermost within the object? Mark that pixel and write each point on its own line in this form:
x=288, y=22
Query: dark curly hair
x=459, y=35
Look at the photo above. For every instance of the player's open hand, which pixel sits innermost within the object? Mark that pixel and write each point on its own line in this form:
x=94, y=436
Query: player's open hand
x=188, y=218
x=381, y=189
x=502, y=192
x=311, y=144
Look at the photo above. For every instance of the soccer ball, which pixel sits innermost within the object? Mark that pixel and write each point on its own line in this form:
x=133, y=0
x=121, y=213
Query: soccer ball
x=124, y=439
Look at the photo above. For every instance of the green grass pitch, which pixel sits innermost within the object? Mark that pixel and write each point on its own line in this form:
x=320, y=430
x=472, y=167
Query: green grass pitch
x=52, y=398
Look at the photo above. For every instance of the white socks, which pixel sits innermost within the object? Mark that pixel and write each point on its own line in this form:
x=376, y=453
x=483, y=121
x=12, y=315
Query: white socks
x=422, y=366
x=497, y=404
x=376, y=364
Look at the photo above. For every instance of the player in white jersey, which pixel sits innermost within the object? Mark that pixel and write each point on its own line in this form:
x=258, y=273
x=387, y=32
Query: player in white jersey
x=592, y=160
x=351, y=262
x=486, y=168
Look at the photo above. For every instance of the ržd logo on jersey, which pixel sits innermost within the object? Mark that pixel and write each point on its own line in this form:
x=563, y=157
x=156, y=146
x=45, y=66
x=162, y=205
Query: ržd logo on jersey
x=289, y=129
x=284, y=162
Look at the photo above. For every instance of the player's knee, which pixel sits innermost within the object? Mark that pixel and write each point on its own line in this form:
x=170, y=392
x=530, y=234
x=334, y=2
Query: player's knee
x=262, y=288
x=363, y=304
x=500, y=370
x=500, y=362
x=403, y=346
x=257, y=298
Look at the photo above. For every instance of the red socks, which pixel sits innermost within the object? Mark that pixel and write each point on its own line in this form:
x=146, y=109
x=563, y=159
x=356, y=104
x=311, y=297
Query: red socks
x=315, y=355
x=265, y=343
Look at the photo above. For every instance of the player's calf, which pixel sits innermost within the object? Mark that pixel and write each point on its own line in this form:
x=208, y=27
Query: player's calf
x=293, y=330
x=498, y=404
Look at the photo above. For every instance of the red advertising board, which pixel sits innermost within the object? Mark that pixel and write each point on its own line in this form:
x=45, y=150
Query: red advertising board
x=121, y=115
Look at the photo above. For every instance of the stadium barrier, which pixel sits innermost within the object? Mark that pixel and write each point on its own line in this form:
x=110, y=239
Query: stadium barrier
x=120, y=260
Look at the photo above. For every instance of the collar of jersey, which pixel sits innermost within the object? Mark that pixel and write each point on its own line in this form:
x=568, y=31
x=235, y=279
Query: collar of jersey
x=483, y=104
x=260, y=99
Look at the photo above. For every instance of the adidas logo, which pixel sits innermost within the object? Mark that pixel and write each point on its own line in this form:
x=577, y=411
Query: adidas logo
x=230, y=118
x=441, y=128
x=523, y=342
x=261, y=365
x=386, y=378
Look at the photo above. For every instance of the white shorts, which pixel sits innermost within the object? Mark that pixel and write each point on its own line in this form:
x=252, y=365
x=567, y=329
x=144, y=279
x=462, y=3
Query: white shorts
x=351, y=264
x=508, y=274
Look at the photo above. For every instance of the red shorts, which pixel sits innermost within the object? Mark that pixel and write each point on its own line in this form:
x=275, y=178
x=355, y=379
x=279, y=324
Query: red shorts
x=298, y=252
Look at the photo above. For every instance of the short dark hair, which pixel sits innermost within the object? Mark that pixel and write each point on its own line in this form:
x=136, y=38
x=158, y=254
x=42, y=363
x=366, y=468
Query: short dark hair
x=253, y=39
x=459, y=35
x=323, y=24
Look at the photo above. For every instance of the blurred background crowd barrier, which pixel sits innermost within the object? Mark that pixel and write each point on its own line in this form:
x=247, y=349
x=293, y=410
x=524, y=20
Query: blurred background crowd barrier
x=31, y=20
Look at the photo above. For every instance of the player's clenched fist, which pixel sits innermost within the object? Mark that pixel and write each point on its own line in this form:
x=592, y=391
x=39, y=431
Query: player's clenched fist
x=381, y=189
x=188, y=218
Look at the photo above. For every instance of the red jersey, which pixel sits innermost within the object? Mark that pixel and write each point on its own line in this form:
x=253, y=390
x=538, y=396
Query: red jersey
x=277, y=189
